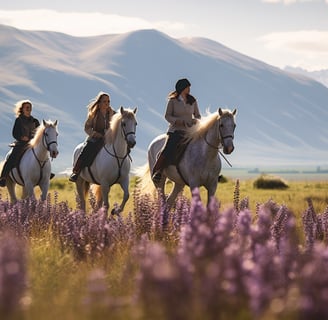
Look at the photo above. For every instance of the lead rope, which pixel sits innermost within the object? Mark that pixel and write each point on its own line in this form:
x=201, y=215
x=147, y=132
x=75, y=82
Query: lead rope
x=222, y=155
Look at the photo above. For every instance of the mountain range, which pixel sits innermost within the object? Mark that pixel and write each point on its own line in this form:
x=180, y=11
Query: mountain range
x=282, y=116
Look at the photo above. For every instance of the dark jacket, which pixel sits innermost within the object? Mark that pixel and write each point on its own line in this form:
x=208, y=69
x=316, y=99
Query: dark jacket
x=24, y=126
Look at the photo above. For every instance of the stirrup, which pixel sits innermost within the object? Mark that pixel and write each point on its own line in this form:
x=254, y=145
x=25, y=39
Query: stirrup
x=157, y=176
x=73, y=177
x=2, y=182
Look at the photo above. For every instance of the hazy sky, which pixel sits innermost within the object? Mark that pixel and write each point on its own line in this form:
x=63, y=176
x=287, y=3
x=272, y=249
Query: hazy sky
x=278, y=32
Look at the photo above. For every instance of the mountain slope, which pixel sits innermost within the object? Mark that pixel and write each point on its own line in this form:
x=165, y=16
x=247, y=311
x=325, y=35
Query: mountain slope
x=281, y=116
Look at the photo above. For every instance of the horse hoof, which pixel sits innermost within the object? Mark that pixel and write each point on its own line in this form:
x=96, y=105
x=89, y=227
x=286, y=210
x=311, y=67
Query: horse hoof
x=115, y=212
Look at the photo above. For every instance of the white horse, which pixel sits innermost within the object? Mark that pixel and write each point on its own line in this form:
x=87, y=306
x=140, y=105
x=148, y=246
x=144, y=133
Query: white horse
x=200, y=164
x=112, y=163
x=34, y=168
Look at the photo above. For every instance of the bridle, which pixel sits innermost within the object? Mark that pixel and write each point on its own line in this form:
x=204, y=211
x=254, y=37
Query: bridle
x=126, y=134
x=45, y=141
x=220, y=134
x=118, y=158
x=221, y=139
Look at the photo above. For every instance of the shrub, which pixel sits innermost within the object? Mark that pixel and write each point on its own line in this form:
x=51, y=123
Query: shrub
x=270, y=182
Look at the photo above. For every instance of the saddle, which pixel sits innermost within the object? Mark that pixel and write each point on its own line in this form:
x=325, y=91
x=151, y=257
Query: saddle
x=173, y=158
x=90, y=151
x=16, y=154
x=181, y=148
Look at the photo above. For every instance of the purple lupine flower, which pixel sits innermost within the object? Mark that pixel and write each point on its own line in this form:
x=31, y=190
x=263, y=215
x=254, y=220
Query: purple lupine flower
x=278, y=226
x=13, y=273
x=164, y=287
x=313, y=285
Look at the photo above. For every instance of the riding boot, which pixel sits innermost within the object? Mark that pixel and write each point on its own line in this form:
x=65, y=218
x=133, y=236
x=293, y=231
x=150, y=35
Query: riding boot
x=158, y=167
x=76, y=170
x=5, y=171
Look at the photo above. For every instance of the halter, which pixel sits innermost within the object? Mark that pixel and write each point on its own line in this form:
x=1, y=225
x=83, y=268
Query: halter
x=45, y=142
x=118, y=158
x=126, y=133
x=221, y=139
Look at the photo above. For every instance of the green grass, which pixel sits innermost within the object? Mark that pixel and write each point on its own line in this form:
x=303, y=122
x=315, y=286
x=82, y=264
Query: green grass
x=294, y=197
x=58, y=283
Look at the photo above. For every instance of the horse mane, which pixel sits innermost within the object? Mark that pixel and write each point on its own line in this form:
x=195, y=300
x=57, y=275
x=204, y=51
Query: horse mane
x=114, y=126
x=201, y=127
x=39, y=133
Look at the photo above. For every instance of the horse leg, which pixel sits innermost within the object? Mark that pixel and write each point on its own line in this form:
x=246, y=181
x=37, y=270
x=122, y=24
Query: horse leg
x=82, y=187
x=211, y=191
x=44, y=187
x=105, y=192
x=24, y=193
x=11, y=189
x=125, y=187
x=29, y=189
x=174, y=193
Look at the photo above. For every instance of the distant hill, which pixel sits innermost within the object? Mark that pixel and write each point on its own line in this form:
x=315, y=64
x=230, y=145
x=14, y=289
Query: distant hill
x=282, y=117
x=320, y=75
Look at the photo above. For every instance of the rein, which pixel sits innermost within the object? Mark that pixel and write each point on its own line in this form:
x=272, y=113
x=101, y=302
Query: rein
x=118, y=158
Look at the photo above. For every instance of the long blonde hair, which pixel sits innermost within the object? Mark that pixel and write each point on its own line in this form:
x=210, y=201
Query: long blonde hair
x=93, y=106
x=19, y=106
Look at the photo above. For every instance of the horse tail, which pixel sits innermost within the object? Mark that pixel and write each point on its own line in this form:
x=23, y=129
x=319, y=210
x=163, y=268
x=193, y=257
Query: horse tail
x=144, y=183
x=96, y=191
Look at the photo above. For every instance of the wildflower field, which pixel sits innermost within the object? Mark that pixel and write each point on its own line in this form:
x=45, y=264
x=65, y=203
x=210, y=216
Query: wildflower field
x=251, y=254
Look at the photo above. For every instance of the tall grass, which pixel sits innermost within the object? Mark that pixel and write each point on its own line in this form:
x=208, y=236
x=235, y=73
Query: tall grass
x=251, y=254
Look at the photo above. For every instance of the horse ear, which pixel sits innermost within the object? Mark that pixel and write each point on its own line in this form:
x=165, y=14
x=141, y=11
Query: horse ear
x=234, y=112
x=135, y=110
x=220, y=112
x=55, y=123
x=44, y=122
x=121, y=110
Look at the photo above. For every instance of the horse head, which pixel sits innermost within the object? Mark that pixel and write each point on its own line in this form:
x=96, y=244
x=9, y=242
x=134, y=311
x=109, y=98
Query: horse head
x=129, y=124
x=227, y=127
x=50, y=137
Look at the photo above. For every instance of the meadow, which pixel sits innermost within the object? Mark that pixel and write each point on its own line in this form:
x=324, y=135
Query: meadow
x=252, y=254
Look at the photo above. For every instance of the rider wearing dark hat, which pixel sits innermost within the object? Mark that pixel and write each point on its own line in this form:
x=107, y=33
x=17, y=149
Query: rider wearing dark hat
x=181, y=112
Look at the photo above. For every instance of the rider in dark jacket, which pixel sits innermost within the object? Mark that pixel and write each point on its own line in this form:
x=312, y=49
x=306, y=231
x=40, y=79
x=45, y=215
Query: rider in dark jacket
x=23, y=131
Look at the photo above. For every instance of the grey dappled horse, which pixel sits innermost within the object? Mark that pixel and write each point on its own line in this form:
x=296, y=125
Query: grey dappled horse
x=112, y=163
x=200, y=164
x=34, y=167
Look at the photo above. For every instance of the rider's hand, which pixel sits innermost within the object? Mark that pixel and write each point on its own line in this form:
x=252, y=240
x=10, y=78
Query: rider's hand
x=191, y=123
x=180, y=122
x=97, y=135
